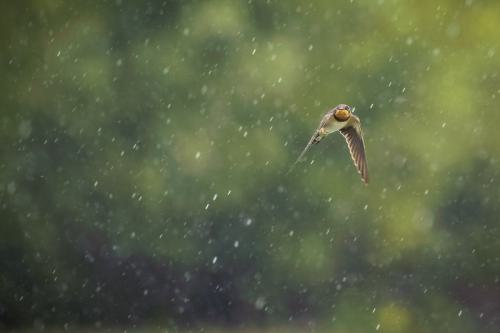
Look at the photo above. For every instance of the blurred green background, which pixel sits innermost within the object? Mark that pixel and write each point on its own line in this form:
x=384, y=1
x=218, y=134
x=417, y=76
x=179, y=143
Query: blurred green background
x=144, y=153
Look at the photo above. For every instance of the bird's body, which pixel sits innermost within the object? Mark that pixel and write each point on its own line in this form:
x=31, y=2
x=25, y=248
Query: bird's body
x=341, y=119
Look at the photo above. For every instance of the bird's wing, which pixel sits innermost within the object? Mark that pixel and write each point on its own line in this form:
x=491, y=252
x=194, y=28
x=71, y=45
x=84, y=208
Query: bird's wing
x=354, y=137
x=312, y=141
x=309, y=144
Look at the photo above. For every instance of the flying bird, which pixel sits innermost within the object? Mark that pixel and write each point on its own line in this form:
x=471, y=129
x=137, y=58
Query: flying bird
x=341, y=119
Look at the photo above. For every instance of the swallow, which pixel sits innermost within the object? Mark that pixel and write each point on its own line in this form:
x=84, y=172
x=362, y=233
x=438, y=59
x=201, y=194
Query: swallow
x=342, y=120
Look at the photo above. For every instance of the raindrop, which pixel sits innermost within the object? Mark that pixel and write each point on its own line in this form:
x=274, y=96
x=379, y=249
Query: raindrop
x=11, y=188
x=260, y=303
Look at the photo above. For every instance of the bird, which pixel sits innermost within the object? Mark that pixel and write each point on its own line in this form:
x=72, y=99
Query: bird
x=342, y=119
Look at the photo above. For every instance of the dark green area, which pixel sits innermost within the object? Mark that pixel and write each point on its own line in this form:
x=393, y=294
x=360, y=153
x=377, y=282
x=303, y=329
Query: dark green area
x=144, y=153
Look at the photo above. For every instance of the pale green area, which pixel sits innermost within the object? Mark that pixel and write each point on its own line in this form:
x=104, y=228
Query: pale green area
x=145, y=146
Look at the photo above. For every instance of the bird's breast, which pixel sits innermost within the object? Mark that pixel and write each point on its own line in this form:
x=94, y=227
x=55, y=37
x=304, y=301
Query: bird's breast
x=334, y=126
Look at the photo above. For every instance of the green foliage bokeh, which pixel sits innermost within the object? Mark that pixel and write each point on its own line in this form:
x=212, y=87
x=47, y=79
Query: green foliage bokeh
x=145, y=147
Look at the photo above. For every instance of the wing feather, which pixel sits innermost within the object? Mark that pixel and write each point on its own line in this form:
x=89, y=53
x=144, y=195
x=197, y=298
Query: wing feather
x=314, y=139
x=354, y=138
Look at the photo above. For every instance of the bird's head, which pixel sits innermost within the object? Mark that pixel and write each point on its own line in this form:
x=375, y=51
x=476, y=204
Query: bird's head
x=342, y=112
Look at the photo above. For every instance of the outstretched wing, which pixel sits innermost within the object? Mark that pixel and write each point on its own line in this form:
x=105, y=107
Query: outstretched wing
x=309, y=144
x=314, y=139
x=354, y=137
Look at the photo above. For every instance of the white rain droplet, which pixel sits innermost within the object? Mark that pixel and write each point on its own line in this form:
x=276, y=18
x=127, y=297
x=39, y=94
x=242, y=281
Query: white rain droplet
x=248, y=222
x=443, y=125
x=236, y=244
x=119, y=62
x=377, y=327
x=260, y=303
x=11, y=188
x=214, y=260
x=96, y=183
x=206, y=207
x=197, y=155
x=214, y=197
x=229, y=193
x=25, y=129
x=460, y=313
x=253, y=52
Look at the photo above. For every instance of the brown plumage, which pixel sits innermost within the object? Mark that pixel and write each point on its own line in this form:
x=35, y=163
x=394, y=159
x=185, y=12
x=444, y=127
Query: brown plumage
x=354, y=138
x=341, y=119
